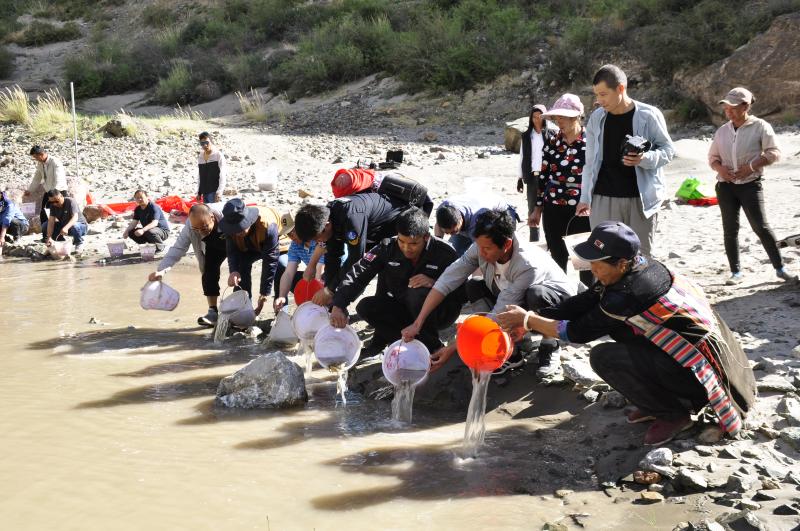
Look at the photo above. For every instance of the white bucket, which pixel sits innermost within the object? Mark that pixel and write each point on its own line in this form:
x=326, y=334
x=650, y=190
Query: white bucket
x=406, y=361
x=282, y=333
x=308, y=318
x=239, y=309
x=28, y=209
x=62, y=249
x=267, y=179
x=578, y=263
x=116, y=249
x=159, y=296
x=337, y=347
x=148, y=251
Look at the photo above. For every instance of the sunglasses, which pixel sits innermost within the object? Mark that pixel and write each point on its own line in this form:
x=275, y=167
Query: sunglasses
x=204, y=142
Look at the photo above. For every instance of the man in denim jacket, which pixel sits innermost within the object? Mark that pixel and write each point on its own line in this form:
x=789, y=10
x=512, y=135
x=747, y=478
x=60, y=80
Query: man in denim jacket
x=627, y=187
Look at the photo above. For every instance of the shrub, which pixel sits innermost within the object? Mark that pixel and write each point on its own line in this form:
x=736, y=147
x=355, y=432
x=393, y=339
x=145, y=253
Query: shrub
x=50, y=115
x=41, y=33
x=246, y=71
x=176, y=87
x=14, y=106
x=6, y=63
x=158, y=16
x=253, y=106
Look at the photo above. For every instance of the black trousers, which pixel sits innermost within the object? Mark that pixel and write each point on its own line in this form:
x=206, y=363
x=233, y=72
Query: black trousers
x=43, y=213
x=532, y=189
x=17, y=229
x=649, y=378
x=750, y=198
x=536, y=297
x=558, y=221
x=215, y=254
x=156, y=235
x=389, y=315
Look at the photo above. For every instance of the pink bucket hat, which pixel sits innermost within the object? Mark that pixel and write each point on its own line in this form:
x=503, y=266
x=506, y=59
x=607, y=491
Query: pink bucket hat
x=568, y=105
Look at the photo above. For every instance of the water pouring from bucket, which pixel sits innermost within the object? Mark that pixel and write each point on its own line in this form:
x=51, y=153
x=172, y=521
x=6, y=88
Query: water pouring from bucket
x=236, y=309
x=307, y=320
x=337, y=350
x=405, y=366
x=483, y=347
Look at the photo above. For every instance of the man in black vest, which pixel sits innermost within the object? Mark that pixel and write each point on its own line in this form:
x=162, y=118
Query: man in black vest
x=212, y=171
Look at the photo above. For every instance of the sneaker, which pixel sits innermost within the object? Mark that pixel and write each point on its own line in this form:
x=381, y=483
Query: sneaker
x=510, y=364
x=783, y=275
x=735, y=278
x=79, y=248
x=549, y=359
x=636, y=415
x=663, y=431
x=210, y=319
x=160, y=248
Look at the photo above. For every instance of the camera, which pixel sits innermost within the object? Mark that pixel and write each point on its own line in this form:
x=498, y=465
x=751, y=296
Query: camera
x=634, y=145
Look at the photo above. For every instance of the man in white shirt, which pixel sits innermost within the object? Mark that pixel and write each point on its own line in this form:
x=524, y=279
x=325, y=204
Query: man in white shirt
x=49, y=175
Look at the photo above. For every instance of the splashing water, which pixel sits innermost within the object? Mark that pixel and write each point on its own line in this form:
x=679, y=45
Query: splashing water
x=307, y=350
x=222, y=327
x=475, y=428
x=403, y=401
x=341, y=381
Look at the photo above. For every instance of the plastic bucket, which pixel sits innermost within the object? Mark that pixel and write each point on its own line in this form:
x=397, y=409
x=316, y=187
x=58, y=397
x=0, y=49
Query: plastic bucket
x=337, y=347
x=282, y=333
x=304, y=290
x=61, y=250
x=28, y=209
x=307, y=320
x=406, y=362
x=115, y=249
x=481, y=343
x=267, y=179
x=578, y=263
x=148, y=251
x=159, y=296
x=238, y=308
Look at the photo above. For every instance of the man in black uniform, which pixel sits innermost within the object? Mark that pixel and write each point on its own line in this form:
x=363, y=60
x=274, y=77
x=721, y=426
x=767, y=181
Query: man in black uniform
x=354, y=221
x=407, y=266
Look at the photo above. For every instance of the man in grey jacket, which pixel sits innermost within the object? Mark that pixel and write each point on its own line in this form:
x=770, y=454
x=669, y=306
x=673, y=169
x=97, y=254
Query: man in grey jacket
x=514, y=273
x=202, y=232
x=621, y=183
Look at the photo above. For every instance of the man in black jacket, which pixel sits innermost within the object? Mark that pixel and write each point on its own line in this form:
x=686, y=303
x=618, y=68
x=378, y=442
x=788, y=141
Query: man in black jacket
x=407, y=267
x=354, y=222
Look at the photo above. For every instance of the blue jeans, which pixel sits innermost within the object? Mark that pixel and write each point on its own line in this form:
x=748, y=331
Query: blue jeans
x=460, y=243
x=77, y=231
x=209, y=197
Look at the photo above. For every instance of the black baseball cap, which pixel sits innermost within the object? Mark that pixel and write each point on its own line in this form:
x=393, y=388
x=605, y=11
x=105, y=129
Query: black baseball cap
x=237, y=217
x=609, y=239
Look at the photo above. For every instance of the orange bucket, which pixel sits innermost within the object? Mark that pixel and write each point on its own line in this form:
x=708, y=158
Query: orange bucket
x=304, y=290
x=482, y=345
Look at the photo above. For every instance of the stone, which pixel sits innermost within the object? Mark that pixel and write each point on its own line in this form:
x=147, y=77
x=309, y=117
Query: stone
x=682, y=526
x=707, y=525
x=796, y=352
x=769, y=433
x=580, y=372
x=691, y=480
x=119, y=128
x=269, y=381
x=774, y=72
x=749, y=505
x=513, y=134
x=704, y=450
x=656, y=487
x=659, y=456
x=791, y=436
x=762, y=495
x=613, y=399
x=741, y=521
x=646, y=477
x=775, y=382
x=93, y=213
x=785, y=510
x=429, y=136
x=591, y=396
x=740, y=483
x=563, y=493
x=651, y=497
x=551, y=526
x=729, y=453
x=772, y=471
x=789, y=408
x=710, y=435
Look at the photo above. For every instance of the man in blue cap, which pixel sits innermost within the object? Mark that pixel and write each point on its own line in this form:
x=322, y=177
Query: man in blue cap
x=252, y=234
x=671, y=354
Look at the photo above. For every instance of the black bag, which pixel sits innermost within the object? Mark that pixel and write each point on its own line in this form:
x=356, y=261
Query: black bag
x=400, y=187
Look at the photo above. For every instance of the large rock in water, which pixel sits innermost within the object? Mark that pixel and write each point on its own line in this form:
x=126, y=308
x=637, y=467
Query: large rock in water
x=269, y=381
x=513, y=134
x=768, y=65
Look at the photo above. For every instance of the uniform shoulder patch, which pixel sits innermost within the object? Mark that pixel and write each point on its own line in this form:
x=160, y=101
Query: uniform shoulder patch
x=351, y=235
x=369, y=257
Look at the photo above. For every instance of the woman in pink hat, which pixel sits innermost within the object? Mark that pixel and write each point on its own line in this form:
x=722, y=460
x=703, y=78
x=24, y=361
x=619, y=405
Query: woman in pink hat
x=563, y=158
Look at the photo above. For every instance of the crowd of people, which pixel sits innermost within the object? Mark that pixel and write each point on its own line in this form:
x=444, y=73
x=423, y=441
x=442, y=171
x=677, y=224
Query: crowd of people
x=670, y=354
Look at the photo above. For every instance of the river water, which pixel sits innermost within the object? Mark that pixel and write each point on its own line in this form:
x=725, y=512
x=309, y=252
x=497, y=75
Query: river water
x=110, y=424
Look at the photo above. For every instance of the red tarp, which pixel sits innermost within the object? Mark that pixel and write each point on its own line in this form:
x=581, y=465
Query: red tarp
x=167, y=204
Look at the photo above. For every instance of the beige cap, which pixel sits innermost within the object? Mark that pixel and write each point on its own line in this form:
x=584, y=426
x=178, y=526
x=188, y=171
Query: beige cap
x=287, y=224
x=738, y=96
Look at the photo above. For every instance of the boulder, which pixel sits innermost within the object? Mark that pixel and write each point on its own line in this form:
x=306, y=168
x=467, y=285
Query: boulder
x=119, y=127
x=269, y=381
x=691, y=480
x=659, y=457
x=789, y=408
x=613, y=399
x=768, y=65
x=93, y=213
x=741, y=521
x=791, y=436
x=775, y=382
x=513, y=134
x=580, y=372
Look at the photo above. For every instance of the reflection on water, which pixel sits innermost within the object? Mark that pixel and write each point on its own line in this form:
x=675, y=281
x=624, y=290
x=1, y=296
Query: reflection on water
x=112, y=425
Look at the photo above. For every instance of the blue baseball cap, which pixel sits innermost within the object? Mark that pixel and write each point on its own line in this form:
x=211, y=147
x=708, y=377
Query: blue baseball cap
x=609, y=239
